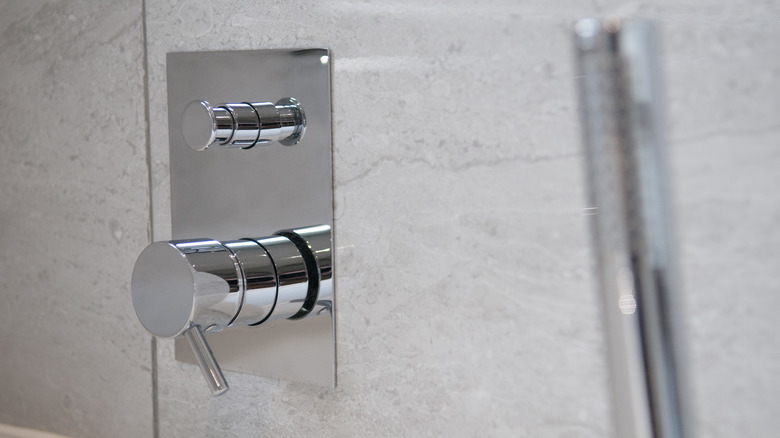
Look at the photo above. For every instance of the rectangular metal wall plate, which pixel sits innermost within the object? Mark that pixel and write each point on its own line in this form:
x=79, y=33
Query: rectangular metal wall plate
x=226, y=194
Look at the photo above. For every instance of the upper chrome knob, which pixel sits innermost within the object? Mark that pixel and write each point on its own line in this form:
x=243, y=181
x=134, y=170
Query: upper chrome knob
x=242, y=125
x=203, y=125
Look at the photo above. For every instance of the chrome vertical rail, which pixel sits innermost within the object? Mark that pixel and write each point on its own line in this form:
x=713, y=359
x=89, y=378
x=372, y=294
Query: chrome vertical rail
x=623, y=131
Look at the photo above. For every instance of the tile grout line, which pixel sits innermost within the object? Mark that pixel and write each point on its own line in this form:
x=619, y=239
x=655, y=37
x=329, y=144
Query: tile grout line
x=150, y=236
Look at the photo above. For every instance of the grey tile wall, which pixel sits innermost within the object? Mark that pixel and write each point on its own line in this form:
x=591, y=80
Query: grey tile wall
x=724, y=90
x=74, y=212
x=465, y=301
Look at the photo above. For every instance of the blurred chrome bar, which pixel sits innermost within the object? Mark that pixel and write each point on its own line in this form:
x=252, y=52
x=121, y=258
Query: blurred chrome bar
x=625, y=149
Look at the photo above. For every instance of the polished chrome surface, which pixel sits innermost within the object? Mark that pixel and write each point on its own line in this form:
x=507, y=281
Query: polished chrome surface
x=229, y=194
x=242, y=125
x=316, y=243
x=246, y=125
x=206, y=361
x=260, y=283
x=292, y=121
x=291, y=274
x=623, y=130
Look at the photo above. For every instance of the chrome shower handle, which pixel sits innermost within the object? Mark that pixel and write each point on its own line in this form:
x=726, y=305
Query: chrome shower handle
x=185, y=288
x=242, y=125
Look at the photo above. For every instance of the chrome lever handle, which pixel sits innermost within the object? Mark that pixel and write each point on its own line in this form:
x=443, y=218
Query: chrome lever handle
x=242, y=125
x=208, y=364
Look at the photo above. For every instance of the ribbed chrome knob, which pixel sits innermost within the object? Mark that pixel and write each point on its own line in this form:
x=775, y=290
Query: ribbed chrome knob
x=242, y=125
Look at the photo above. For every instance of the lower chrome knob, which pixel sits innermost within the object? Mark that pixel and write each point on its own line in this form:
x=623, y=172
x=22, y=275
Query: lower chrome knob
x=191, y=287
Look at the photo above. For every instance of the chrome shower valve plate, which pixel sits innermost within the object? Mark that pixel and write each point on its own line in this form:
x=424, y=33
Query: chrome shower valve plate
x=230, y=193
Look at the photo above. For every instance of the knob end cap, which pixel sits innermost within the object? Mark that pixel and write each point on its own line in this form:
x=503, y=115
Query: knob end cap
x=203, y=125
x=162, y=290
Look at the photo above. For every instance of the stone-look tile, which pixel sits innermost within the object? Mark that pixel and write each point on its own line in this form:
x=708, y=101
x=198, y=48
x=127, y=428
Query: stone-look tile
x=74, y=214
x=465, y=300
x=723, y=70
x=730, y=216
